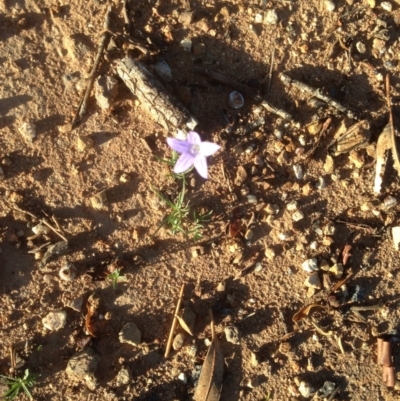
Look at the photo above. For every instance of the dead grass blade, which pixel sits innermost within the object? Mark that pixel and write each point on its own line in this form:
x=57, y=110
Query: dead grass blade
x=210, y=381
x=383, y=145
x=304, y=312
x=390, y=126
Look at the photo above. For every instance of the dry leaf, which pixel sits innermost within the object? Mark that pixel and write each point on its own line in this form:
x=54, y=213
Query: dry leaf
x=93, y=323
x=187, y=320
x=210, y=381
x=304, y=312
x=383, y=145
x=355, y=137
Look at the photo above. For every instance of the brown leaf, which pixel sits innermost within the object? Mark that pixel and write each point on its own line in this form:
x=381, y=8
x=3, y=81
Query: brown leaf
x=93, y=323
x=304, y=312
x=187, y=320
x=355, y=137
x=210, y=381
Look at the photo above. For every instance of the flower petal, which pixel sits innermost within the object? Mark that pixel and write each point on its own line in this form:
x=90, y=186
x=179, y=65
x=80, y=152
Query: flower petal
x=200, y=163
x=178, y=145
x=184, y=163
x=208, y=148
x=193, y=138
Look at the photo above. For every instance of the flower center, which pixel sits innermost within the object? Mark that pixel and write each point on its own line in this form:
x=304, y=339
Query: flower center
x=194, y=150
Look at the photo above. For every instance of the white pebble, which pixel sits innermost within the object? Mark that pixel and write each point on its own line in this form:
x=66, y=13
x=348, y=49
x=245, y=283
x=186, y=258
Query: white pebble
x=182, y=377
x=387, y=6
x=55, y=320
x=306, y=389
x=310, y=265
x=251, y=199
x=291, y=206
x=330, y=5
x=298, y=215
x=298, y=171
x=271, y=17
x=360, y=46
x=258, y=18
x=28, y=131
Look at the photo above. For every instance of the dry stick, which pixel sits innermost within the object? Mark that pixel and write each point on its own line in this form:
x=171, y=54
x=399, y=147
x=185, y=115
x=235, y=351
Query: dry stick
x=366, y=308
x=244, y=89
x=125, y=14
x=83, y=104
x=317, y=93
x=324, y=128
x=44, y=221
x=174, y=322
x=271, y=67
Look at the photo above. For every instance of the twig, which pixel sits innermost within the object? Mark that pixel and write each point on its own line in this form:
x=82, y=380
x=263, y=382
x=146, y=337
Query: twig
x=271, y=67
x=103, y=43
x=125, y=14
x=12, y=356
x=174, y=322
x=43, y=221
x=317, y=93
x=324, y=128
x=281, y=113
x=366, y=308
x=334, y=393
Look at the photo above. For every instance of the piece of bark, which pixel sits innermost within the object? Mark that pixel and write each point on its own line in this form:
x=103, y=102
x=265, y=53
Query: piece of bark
x=165, y=109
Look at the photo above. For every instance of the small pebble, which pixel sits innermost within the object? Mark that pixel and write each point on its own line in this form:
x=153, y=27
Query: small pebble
x=130, y=334
x=6, y=161
x=55, y=320
x=321, y=183
x=361, y=48
x=337, y=270
x=298, y=215
x=232, y=334
x=306, y=389
x=178, y=342
x=313, y=281
x=186, y=44
x=330, y=5
x=310, y=265
x=251, y=199
x=298, y=171
x=163, y=70
x=291, y=206
x=182, y=377
x=387, y=6
x=269, y=253
x=68, y=272
x=28, y=131
x=236, y=100
x=270, y=17
x=389, y=202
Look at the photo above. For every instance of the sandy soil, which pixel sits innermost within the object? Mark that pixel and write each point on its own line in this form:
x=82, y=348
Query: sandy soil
x=47, y=51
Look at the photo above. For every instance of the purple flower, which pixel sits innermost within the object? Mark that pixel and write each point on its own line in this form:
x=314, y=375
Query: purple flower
x=193, y=152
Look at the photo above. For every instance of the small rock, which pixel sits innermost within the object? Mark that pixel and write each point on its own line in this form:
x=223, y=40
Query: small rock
x=356, y=158
x=82, y=363
x=84, y=143
x=68, y=272
x=124, y=177
x=337, y=270
x=105, y=91
x=313, y=281
x=75, y=304
x=269, y=253
x=371, y=3
x=6, y=161
x=378, y=44
x=298, y=171
x=178, y=342
x=298, y=215
x=124, y=376
x=186, y=44
x=327, y=389
x=236, y=100
x=28, y=131
x=310, y=265
x=163, y=71
x=232, y=334
x=306, y=389
x=55, y=320
x=91, y=381
x=389, y=202
x=2, y=176
x=270, y=17
x=130, y=334
x=292, y=206
x=387, y=6
x=330, y=5
x=361, y=48
x=99, y=200
x=252, y=199
x=329, y=164
x=241, y=176
x=396, y=237
x=258, y=19
x=272, y=208
x=321, y=183
x=192, y=350
x=182, y=377
x=186, y=18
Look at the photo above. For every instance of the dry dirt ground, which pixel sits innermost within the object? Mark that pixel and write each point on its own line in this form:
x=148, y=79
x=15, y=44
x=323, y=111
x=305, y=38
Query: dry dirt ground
x=47, y=50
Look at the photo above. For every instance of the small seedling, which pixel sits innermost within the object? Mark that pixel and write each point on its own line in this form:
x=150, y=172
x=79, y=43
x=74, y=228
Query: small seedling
x=15, y=385
x=116, y=278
